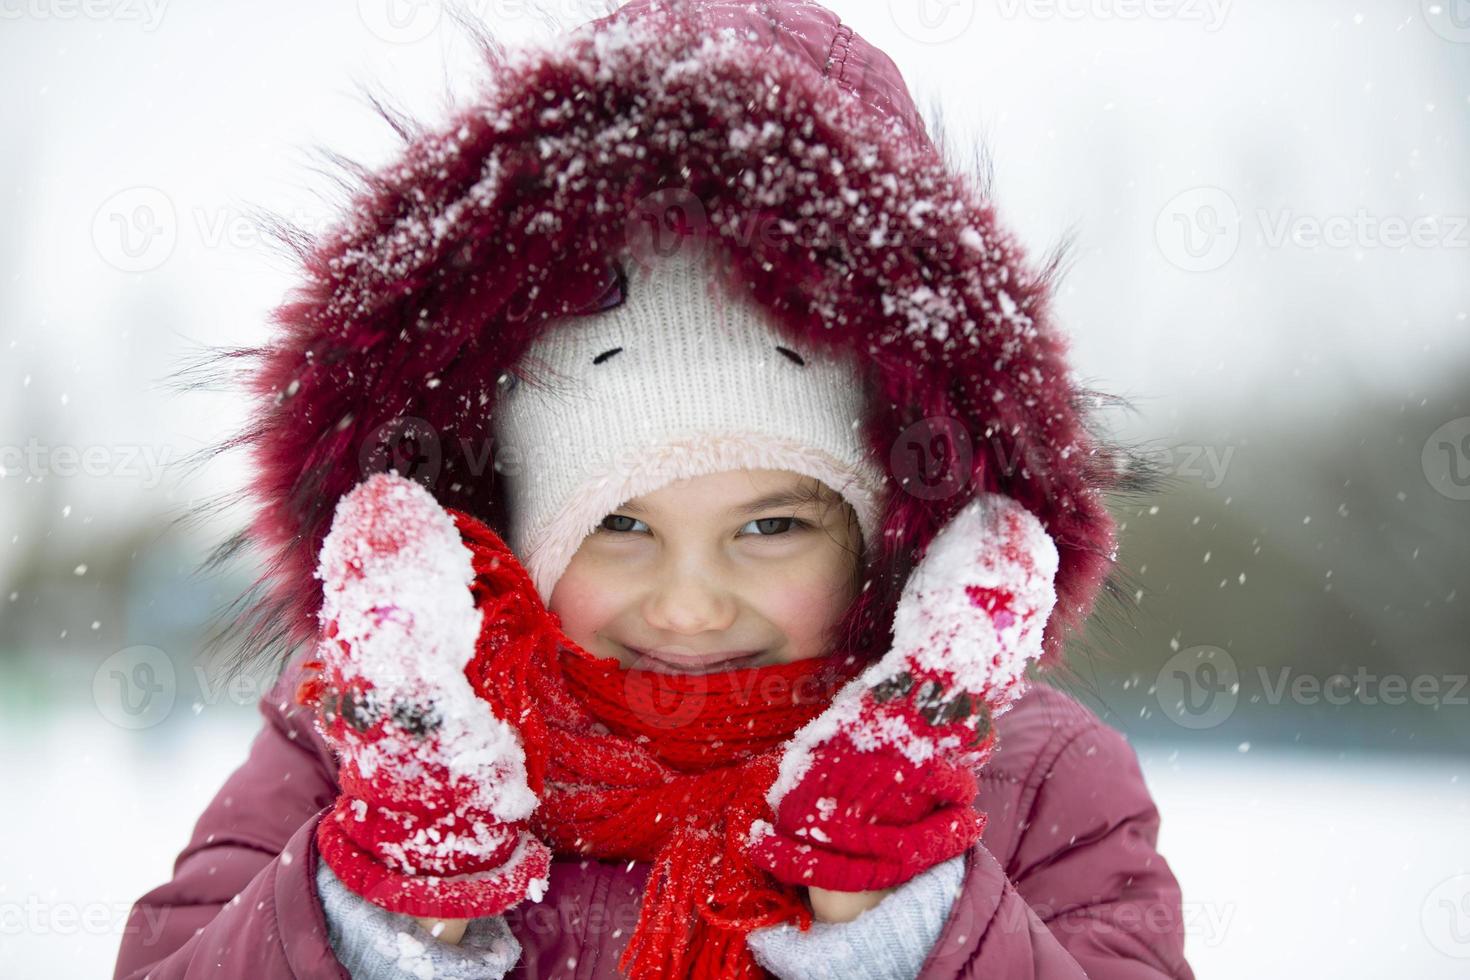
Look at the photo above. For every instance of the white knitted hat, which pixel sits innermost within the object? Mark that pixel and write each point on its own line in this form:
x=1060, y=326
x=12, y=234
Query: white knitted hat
x=680, y=380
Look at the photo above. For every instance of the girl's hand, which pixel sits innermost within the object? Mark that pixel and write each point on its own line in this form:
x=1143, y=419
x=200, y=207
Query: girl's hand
x=882, y=785
x=449, y=931
x=434, y=794
x=835, y=906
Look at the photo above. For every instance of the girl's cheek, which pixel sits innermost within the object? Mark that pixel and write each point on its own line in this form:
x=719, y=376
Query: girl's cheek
x=585, y=602
x=804, y=612
x=810, y=602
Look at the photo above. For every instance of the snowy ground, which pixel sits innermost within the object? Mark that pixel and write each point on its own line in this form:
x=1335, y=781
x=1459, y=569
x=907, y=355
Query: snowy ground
x=1314, y=864
x=1293, y=863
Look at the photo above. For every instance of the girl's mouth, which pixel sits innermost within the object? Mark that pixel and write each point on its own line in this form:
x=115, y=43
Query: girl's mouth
x=681, y=662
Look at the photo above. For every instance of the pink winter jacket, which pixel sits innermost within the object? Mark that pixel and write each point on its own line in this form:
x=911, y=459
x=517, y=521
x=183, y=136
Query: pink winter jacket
x=1065, y=883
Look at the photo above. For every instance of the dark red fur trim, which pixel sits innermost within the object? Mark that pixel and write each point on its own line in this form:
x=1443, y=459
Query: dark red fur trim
x=455, y=257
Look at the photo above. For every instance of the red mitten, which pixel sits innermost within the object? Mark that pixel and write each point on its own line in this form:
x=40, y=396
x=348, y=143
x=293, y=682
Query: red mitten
x=881, y=785
x=431, y=820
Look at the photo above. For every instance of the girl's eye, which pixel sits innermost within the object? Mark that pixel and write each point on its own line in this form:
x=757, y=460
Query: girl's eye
x=777, y=526
x=766, y=527
x=609, y=521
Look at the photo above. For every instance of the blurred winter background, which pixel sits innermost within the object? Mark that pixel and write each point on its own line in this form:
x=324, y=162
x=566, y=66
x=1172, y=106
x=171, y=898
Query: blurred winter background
x=1272, y=259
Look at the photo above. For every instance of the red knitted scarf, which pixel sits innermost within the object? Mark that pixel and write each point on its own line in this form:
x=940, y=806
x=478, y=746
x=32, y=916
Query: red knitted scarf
x=635, y=765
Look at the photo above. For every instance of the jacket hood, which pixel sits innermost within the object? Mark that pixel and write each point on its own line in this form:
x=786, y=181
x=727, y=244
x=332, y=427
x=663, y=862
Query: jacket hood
x=795, y=147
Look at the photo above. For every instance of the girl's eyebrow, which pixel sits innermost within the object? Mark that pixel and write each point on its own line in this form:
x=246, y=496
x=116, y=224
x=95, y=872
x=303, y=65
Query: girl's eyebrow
x=781, y=498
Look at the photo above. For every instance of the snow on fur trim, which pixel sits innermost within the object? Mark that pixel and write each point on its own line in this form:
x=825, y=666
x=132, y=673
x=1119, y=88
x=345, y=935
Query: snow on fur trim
x=848, y=229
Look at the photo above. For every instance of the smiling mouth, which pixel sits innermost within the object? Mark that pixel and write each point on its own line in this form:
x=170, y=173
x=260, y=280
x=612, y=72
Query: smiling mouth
x=680, y=663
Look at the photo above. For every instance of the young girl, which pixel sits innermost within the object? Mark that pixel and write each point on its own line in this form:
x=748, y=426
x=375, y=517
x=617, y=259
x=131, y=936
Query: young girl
x=790, y=499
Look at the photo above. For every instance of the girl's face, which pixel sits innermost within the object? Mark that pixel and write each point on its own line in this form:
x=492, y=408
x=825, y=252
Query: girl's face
x=718, y=572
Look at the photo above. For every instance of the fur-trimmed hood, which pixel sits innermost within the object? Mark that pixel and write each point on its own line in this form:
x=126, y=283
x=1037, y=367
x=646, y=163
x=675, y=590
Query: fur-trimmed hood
x=797, y=149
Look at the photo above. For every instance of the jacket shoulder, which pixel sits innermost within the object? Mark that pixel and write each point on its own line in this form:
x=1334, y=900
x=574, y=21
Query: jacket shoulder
x=1035, y=728
x=1056, y=762
x=1067, y=877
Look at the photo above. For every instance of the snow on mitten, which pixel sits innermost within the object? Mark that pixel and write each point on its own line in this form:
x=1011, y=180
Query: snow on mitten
x=431, y=819
x=881, y=785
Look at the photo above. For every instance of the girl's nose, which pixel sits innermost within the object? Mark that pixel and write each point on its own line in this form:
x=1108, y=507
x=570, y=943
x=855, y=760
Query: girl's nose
x=688, y=604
